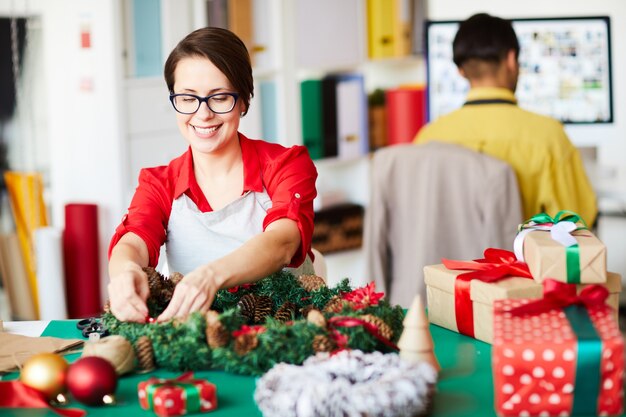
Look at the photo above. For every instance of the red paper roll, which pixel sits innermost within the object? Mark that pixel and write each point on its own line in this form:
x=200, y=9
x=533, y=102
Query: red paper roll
x=405, y=113
x=82, y=260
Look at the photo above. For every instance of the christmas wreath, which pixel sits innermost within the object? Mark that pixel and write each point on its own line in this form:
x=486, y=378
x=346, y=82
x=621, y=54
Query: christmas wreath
x=252, y=327
x=350, y=383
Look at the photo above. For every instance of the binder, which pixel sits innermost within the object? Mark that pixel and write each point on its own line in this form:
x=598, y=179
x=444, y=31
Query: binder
x=352, y=123
x=418, y=20
x=217, y=13
x=402, y=27
x=312, y=120
x=382, y=17
x=329, y=115
x=344, y=116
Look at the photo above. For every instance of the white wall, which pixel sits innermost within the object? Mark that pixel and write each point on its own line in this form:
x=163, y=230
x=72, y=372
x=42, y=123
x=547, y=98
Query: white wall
x=610, y=139
x=87, y=160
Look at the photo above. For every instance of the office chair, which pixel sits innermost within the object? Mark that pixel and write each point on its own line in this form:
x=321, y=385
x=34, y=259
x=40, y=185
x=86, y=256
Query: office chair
x=432, y=201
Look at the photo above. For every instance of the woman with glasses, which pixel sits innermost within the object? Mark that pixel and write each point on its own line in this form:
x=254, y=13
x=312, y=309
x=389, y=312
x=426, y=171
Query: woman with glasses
x=230, y=210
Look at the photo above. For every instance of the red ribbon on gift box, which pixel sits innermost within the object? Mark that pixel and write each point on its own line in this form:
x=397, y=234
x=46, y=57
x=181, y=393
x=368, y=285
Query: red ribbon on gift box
x=496, y=265
x=558, y=294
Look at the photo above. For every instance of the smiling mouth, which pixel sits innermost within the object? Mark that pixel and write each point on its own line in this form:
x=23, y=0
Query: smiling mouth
x=206, y=130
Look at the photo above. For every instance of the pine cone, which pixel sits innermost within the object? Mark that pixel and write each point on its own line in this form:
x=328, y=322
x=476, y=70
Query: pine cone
x=216, y=334
x=311, y=282
x=316, y=317
x=247, y=305
x=322, y=343
x=175, y=278
x=334, y=305
x=155, y=279
x=286, y=312
x=165, y=296
x=263, y=308
x=383, y=328
x=306, y=309
x=145, y=353
x=245, y=343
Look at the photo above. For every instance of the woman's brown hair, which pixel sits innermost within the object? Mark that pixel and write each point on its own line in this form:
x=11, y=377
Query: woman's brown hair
x=225, y=50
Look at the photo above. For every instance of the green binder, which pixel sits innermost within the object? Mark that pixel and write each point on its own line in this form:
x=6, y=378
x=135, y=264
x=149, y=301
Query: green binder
x=312, y=120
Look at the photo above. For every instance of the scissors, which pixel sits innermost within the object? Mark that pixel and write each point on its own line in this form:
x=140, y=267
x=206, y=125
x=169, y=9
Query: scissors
x=92, y=325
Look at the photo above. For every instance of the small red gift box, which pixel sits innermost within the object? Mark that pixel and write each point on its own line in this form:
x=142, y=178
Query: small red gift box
x=563, y=357
x=174, y=397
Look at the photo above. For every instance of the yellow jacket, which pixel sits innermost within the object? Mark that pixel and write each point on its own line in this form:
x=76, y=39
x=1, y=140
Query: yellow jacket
x=549, y=168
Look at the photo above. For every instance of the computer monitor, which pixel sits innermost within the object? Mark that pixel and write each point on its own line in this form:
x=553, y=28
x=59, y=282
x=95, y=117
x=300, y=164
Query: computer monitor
x=565, y=68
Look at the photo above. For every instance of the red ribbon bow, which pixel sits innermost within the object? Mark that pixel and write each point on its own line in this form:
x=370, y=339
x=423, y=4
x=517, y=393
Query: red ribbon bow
x=560, y=294
x=497, y=265
x=344, y=321
x=18, y=395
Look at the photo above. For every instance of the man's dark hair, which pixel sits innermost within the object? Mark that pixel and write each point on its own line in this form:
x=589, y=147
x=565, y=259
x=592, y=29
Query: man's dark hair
x=484, y=37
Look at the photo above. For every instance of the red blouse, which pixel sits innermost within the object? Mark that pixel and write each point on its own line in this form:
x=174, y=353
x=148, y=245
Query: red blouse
x=288, y=175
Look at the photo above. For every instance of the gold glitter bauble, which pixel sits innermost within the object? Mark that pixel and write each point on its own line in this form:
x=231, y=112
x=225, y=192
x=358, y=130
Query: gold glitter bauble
x=46, y=373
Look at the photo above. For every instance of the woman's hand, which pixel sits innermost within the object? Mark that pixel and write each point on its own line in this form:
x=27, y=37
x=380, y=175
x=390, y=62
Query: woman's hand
x=128, y=292
x=195, y=292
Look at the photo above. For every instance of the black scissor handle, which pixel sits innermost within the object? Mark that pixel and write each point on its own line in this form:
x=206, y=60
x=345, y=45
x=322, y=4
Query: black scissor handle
x=92, y=325
x=86, y=323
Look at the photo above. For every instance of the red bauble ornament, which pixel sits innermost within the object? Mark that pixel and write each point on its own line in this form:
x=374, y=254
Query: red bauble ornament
x=91, y=378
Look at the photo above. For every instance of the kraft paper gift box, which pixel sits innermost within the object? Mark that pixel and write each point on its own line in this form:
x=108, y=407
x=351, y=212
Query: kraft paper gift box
x=556, y=250
x=561, y=361
x=174, y=397
x=440, y=293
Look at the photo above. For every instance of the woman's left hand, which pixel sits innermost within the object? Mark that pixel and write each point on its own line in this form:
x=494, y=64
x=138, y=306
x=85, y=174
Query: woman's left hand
x=195, y=292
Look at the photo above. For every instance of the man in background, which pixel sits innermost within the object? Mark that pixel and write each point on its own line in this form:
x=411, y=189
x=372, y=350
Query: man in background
x=548, y=167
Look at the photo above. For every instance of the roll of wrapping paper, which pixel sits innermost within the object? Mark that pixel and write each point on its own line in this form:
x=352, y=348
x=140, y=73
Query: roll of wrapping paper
x=405, y=113
x=82, y=264
x=50, y=274
x=29, y=212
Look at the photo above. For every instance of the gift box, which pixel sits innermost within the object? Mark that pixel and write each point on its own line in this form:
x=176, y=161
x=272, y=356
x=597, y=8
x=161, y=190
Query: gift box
x=558, y=360
x=174, y=397
x=440, y=293
x=561, y=250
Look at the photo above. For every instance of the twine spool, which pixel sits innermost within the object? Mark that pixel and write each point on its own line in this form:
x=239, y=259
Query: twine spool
x=116, y=349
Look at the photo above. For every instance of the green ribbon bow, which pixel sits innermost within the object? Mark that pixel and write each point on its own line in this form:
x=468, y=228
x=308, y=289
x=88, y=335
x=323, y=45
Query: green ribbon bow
x=572, y=252
x=561, y=216
x=192, y=394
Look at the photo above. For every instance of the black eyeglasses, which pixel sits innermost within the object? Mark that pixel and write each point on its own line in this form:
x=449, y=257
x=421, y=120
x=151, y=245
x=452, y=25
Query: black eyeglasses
x=219, y=103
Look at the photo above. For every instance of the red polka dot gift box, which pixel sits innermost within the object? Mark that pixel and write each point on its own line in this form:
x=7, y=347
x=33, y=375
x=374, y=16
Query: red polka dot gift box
x=175, y=397
x=561, y=355
x=561, y=248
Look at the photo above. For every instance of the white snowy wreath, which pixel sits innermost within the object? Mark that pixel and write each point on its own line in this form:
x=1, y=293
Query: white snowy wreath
x=348, y=384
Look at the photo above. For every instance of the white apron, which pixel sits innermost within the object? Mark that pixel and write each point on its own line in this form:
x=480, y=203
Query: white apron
x=195, y=238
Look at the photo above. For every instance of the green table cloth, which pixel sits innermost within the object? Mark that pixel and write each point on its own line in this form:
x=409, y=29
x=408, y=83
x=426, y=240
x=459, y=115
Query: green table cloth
x=465, y=385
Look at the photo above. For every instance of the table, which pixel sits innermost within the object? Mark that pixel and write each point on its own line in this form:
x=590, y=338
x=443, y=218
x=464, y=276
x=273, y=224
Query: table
x=465, y=385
